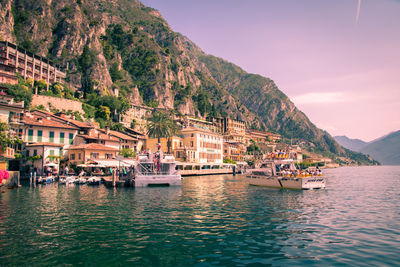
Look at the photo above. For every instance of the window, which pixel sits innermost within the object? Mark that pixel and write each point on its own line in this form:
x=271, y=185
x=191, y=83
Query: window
x=94, y=155
x=34, y=152
x=51, y=137
x=109, y=156
x=52, y=152
x=71, y=138
x=191, y=144
x=30, y=135
x=79, y=156
x=39, y=135
x=73, y=156
x=62, y=135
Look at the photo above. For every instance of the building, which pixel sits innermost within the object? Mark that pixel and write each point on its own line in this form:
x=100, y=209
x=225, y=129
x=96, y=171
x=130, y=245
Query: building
x=261, y=137
x=205, y=146
x=108, y=138
x=42, y=155
x=234, y=151
x=14, y=59
x=174, y=142
x=45, y=130
x=187, y=121
x=80, y=154
x=10, y=111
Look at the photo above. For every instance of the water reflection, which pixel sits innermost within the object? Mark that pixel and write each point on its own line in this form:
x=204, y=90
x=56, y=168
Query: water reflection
x=212, y=220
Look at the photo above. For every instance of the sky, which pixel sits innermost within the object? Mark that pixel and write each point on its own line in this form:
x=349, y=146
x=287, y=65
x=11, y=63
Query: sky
x=337, y=60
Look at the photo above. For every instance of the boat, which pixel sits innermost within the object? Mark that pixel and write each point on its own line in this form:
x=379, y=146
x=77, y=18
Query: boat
x=45, y=180
x=156, y=169
x=94, y=180
x=284, y=174
x=194, y=169
x=80, y=180
x=67, y=180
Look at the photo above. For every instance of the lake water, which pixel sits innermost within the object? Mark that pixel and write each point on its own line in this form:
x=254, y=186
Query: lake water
x=209, y=221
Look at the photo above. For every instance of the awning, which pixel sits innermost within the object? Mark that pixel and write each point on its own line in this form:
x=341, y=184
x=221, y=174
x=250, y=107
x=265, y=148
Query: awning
x=112, y=163
x=51, y=164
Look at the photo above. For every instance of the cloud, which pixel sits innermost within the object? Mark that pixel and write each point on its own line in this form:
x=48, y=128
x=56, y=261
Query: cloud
x=320, y=98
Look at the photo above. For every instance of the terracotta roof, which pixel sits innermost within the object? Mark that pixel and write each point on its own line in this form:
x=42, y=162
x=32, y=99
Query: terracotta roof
x=44, y=122
x=99, y=136
x=194, y=129
x=92, y=146
x=44, y=144
x=77, y=123
x=119, y=135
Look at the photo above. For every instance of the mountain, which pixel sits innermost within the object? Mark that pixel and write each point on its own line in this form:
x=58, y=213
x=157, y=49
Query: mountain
x=123, y=46
x=352, y=144
x=385, y=149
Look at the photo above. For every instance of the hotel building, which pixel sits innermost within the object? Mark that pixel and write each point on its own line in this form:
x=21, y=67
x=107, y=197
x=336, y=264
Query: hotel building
x=14, y=59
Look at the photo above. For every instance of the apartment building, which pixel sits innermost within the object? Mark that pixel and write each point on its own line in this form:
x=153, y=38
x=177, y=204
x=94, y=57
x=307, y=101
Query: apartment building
x=80, y=154
x=207, y=145
x=45, y=130
x=14, y=59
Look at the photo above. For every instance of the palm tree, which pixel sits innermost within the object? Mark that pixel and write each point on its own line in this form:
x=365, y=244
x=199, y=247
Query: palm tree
x=161, y=125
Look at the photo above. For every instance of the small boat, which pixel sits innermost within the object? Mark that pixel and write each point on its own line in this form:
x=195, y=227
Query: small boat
x=156, y=169
x=67, y=180
x=45, y=180
x=284, y=174
x=80, y=180
x=94, y=180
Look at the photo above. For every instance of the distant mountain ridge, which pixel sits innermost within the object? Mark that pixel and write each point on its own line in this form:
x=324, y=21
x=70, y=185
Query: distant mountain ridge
x=352, y=144
x=385, y=149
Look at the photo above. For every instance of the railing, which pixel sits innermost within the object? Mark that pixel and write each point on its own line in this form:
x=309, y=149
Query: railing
x=154, y=173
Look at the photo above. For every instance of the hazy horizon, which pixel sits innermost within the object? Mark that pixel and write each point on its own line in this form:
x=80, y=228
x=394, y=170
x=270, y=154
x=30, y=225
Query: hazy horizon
x=337, y=61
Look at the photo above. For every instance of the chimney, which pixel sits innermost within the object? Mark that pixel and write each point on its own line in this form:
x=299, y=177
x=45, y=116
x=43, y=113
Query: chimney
x=107, y=130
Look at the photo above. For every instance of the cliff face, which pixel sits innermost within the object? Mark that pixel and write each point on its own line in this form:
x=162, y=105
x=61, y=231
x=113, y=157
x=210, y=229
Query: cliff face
x=121, y=44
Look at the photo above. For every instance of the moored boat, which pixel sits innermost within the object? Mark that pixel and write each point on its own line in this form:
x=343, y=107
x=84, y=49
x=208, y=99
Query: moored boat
x=284, y=174
x=80, y=180
x=156, y=169
x=45, y=180
x=94, y=180
x=67, y=180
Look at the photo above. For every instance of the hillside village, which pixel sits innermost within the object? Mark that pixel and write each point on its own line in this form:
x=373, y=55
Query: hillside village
x=52, y=132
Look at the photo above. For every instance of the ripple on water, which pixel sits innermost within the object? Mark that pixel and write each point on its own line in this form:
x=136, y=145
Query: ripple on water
x=216, y=220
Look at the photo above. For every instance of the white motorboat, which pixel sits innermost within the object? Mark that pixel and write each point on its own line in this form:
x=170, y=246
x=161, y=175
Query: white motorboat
x=80, y=180
x=284, y=174
x=67, y=180
x=45, y=180
x=156, y=169
x=94, y=180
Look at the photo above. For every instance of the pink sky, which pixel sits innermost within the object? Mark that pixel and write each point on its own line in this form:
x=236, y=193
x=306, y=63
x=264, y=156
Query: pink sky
x=344, y=74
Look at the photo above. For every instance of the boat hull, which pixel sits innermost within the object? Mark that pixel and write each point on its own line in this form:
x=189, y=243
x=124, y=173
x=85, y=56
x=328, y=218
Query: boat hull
x=313, y=182
x=149, y=180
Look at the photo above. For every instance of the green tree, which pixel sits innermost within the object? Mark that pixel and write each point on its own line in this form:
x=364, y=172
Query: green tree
x=103, y=112
x=21, y=93
x=161, y=125
x=40, y=86
x=128, y=153
x=5, y=138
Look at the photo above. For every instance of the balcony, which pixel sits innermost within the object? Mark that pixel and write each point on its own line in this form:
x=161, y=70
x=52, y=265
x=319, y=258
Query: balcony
x=7, y=153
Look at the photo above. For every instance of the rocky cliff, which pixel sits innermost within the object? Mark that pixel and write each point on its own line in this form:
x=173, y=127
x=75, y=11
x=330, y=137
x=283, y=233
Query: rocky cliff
x=124, y=46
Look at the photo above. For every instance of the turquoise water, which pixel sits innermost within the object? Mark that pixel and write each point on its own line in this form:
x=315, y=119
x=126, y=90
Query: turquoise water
x=209, y=221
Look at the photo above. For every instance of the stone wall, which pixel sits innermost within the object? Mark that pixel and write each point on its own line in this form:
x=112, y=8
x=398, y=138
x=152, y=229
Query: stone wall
x=58, y=103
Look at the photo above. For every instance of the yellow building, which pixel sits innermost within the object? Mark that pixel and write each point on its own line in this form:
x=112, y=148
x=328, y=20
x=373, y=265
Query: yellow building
x=82, y=153
x=205, y=146
x=234, y=151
